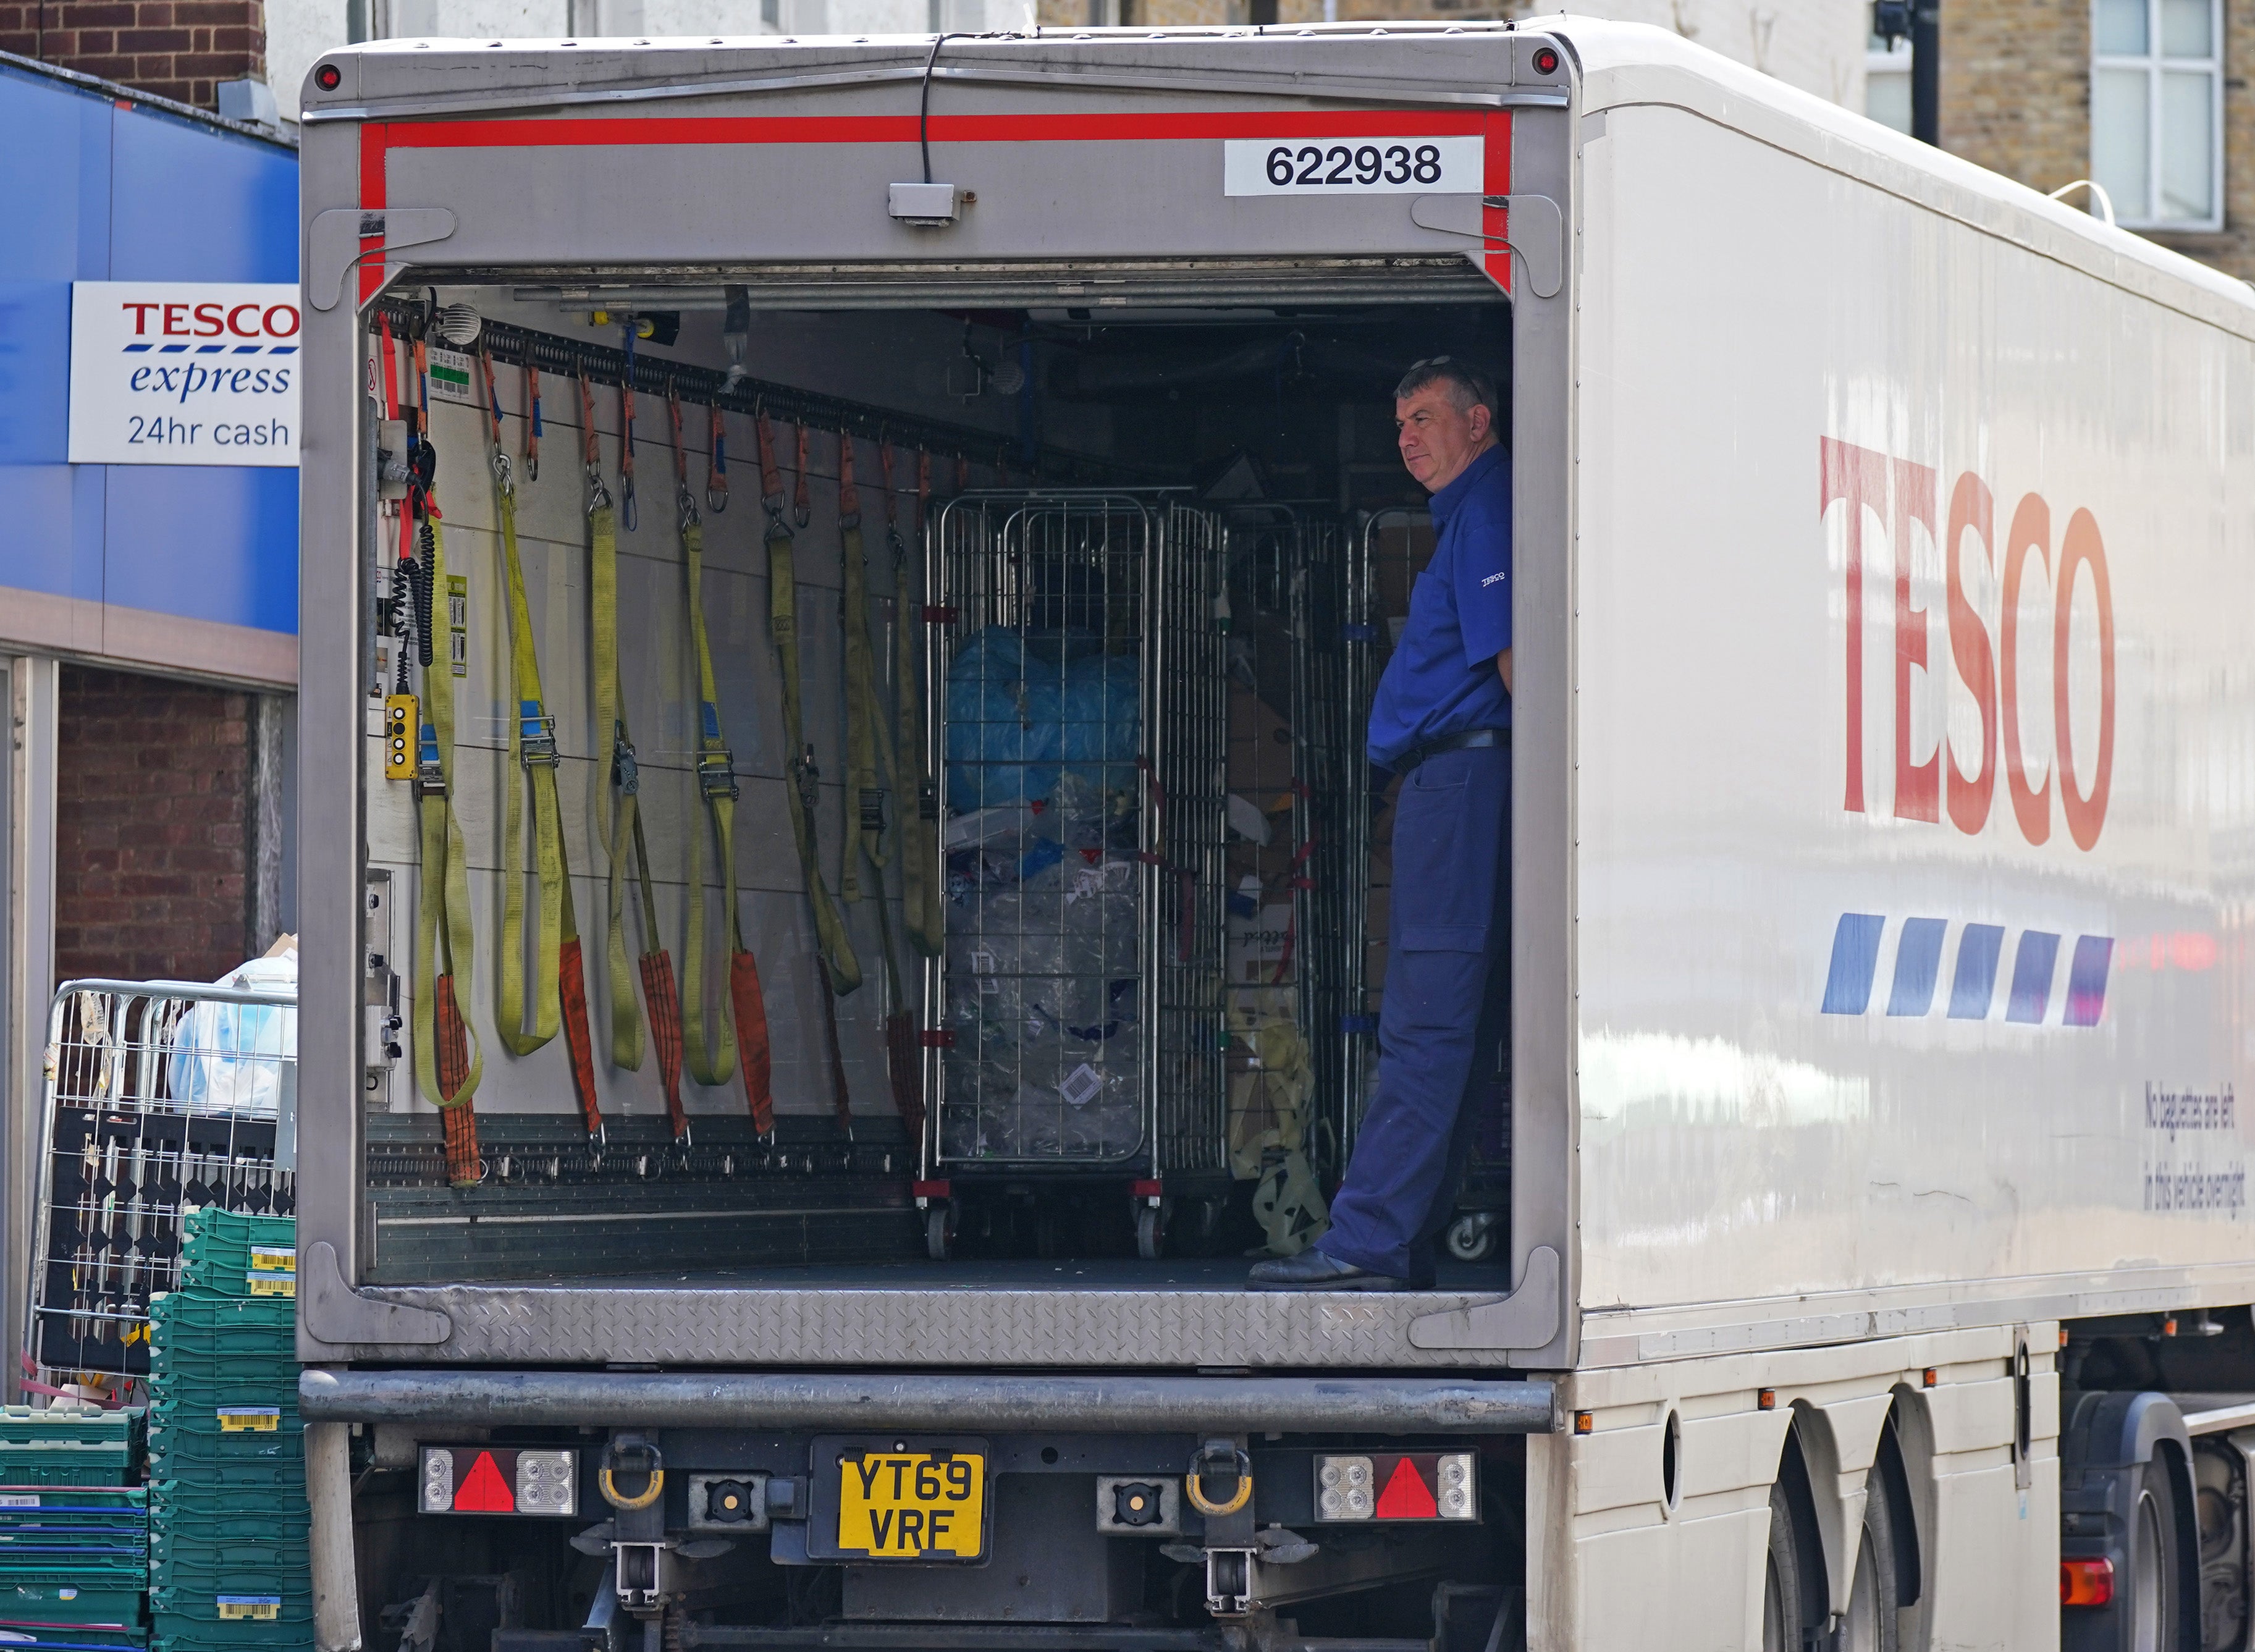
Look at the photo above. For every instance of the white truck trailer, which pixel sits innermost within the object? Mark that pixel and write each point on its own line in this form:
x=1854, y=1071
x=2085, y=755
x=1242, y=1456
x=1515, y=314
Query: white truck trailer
x=1872, y=1264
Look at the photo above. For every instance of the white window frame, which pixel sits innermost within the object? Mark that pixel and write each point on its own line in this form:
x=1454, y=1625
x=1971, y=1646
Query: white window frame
x=2152, y=62
x=1882, y=61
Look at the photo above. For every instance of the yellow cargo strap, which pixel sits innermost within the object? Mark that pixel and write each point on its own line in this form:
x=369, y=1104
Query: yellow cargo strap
x=921, y=884
x=613, y=815
x=562, y=984
x=712, y=1041
x=842, y=970
x=448, y=1063
x=533, y=747
x=716, y=778
x=619, y=811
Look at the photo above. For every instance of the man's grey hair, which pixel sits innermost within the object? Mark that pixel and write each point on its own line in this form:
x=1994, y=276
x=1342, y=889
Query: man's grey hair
x=1468, y=386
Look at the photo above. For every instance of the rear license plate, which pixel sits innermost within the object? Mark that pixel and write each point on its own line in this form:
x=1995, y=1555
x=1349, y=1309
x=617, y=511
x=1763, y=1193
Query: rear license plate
x=912, y=1501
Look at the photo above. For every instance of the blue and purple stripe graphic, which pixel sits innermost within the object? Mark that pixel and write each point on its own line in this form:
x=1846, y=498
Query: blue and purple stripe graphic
x=1849, y=982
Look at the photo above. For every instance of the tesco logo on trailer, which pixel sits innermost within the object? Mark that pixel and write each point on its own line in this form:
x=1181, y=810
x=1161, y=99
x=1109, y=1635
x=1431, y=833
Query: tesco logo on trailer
x=184, y=372
x=2028, y=616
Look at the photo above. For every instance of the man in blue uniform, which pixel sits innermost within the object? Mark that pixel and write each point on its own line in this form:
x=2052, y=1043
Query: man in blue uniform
x=1442, y=722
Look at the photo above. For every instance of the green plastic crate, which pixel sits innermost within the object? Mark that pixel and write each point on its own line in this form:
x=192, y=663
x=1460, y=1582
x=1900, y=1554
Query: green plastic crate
x=178, y=1452
x=68, y=1465
x=198, y=1583
x=233, y=1413
x=27, y=1501
x=93, y=1555
x=228, y=1637
x=281, y=1551
x=253, y=1256
x=203, y=1605
x=252, y=1491
x=271, y=1518
x=121, y=1528
x=67, y=1445
x=73, y=1637
x=64, y=1597
x=212, y=1222
x=195, y=1311
x=251, y=1487
x=54, y=1424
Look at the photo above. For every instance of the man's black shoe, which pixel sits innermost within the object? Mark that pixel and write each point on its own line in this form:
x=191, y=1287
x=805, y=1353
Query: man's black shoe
x=1312, y=1270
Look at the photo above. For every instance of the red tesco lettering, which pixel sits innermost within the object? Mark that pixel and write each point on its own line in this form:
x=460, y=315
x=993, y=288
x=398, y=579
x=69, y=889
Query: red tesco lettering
x=1866, y=483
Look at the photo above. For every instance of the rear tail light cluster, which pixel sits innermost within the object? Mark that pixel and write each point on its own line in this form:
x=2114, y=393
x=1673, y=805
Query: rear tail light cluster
x=478, y=1480
x=1398, y=1485
x=2086, y=1583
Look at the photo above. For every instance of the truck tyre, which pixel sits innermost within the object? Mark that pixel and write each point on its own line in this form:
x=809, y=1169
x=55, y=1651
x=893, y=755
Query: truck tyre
x=1875, y=1620
x=2156, y=1604
x=1783, y=1616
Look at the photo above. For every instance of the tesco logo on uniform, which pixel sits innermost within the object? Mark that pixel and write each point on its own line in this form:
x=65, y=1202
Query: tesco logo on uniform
x=2002, y=666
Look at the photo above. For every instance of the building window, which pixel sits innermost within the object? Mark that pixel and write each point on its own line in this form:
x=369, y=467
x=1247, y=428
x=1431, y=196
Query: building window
x=1886, y=81
x=2157, y=110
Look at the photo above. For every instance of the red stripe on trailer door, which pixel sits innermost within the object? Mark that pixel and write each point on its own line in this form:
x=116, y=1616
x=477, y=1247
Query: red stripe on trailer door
x=379, y=139
x=373, y=146
x=609, y=131
x=1496, y=181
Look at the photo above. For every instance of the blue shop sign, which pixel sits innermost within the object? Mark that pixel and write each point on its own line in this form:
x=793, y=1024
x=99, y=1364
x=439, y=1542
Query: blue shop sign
x=177, y=562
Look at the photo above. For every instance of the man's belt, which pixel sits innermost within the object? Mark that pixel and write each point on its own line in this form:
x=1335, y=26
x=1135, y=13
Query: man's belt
x=1471, y=740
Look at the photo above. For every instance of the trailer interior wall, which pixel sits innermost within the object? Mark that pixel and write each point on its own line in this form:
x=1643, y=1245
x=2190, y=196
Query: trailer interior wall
x=1127, y=207
x=1146, y=394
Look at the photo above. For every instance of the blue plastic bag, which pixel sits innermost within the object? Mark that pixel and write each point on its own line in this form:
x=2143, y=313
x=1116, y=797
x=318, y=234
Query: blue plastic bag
x=1024, y=710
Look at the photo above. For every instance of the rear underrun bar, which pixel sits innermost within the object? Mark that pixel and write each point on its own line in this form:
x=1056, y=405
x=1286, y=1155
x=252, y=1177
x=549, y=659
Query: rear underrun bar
x=1003, y=1404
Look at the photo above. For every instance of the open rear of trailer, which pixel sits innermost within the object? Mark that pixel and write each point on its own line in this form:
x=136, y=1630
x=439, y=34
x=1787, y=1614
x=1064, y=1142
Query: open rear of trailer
x=844, y=900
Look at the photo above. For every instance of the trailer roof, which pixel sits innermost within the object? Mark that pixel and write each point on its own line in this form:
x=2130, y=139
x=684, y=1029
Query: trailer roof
x=1623, y=65
x=1628, y=64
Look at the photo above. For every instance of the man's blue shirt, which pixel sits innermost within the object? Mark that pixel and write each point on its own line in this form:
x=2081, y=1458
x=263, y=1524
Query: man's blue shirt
x=1441, y=679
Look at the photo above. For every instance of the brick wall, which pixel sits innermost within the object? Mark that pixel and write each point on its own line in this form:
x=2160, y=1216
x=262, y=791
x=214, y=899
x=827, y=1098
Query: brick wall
x=2016, y=88
x=179, y=49
x=2016, y=99
x=152, y=827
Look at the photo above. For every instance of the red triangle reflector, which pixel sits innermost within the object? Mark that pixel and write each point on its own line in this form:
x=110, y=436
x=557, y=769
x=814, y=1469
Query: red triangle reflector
x=484, y=1492
x=1406, y=1496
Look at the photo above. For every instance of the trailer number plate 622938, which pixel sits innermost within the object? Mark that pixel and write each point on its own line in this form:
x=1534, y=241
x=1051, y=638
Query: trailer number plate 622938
x=1353, y=166
x=911, y=1504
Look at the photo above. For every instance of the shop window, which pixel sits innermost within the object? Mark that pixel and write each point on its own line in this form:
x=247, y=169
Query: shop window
x=2157, y=110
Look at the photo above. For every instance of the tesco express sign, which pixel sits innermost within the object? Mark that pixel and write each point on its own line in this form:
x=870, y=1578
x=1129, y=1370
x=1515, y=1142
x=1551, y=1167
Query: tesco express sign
x=184, y=372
